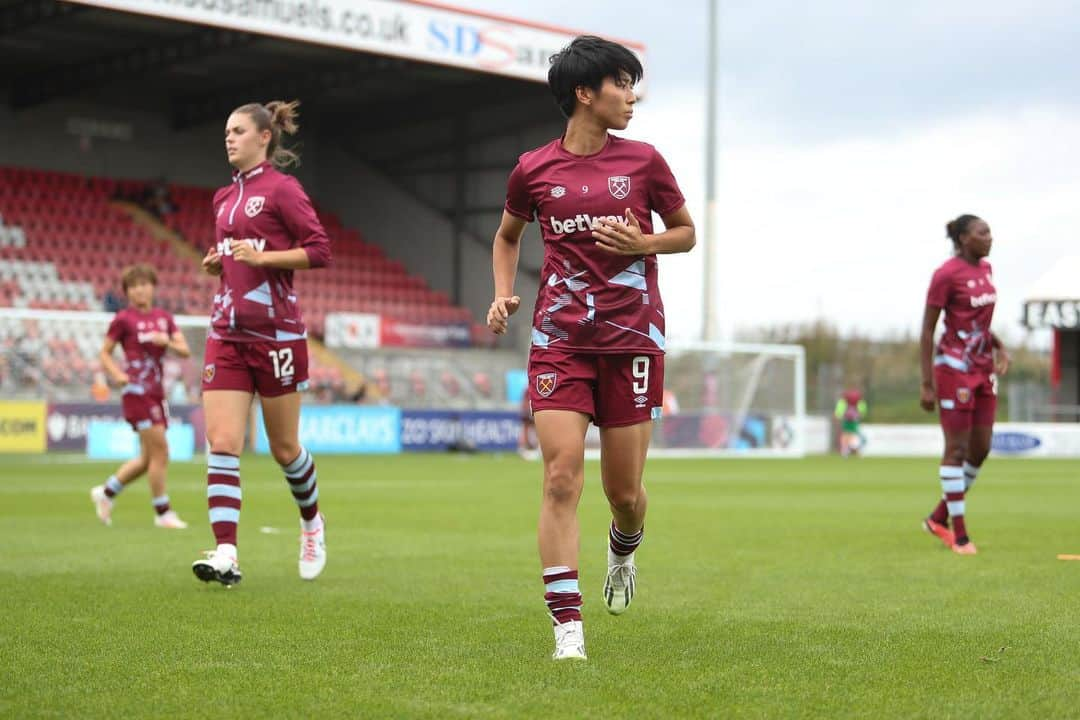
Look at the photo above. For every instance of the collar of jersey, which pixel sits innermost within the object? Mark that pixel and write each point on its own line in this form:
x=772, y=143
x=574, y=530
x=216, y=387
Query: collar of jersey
x=253, y=172
x=566, y=153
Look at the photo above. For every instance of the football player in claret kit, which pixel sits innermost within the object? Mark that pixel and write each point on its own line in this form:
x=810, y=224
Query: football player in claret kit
x=961, y=375
x=598, y=325
x=144, y=333
x=266, y=229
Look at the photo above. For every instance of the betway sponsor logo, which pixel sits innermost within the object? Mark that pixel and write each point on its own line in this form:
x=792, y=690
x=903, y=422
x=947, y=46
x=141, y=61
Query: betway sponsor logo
x=984, y=299
x=225, y=246
x=580, y=223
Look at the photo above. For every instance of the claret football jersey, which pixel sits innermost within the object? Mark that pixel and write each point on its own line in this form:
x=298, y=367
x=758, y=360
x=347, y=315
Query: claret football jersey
x=591, y=300
x=132, y=330
x=269, y=211
x=966, y=294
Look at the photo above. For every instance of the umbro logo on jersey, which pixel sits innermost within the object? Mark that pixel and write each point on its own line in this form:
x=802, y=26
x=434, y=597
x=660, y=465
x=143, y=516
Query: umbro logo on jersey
x=254, y=205
x=558, y=191
x=619, y=186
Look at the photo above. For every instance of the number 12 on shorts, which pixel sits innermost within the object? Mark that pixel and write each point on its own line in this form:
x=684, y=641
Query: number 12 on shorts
x=639, y=368
x=283, y=362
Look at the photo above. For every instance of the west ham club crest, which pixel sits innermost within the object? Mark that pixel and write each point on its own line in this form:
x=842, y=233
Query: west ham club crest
x=254, y=205
x=545, y=384
x=619, y=186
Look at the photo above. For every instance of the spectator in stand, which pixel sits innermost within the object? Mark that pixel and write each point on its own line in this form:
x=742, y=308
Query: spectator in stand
x=99, y=389
x=158, y=200
x=358, y=394
x=112, y=302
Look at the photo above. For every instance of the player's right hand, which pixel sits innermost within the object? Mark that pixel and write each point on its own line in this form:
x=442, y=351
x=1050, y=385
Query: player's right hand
x=927, y=399
x=498, y=317
x=121, y=379
x=211, y=262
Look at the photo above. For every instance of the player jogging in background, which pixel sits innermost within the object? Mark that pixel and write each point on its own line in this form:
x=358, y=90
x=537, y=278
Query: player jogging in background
x=145, y=333
x=598, y=325
x=850, y=410
x=265, y=228
x=960, y=376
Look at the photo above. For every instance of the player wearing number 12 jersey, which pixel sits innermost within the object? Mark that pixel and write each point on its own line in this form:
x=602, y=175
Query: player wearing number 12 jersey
x=598, y=324
x=265, y=230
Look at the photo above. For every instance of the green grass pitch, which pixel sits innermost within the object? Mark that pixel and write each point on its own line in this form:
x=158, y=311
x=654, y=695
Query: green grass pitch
x=766, y=589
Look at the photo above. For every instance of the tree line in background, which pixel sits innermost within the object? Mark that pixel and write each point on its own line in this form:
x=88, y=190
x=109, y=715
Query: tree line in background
x=888, y=374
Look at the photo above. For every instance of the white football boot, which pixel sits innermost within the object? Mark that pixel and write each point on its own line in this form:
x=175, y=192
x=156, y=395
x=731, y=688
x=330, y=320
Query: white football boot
x=620, y=583
x=102, y=504
x=169, y=520
x=312, y=550
x=569, y=641
x=217, y=566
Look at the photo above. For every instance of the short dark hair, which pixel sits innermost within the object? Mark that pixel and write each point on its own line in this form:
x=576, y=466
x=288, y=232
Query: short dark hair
x=955, y=228
x=135, y=274
x=585, y=62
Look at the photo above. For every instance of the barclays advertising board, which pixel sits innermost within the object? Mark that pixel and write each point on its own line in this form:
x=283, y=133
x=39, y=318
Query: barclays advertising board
x=344, y=429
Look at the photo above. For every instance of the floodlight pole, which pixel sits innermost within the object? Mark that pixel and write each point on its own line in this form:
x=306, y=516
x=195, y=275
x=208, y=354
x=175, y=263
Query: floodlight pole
x=711, y=329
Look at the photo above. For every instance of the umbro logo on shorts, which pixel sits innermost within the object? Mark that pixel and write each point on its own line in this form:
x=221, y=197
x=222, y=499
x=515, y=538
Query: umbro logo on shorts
x=545, y=383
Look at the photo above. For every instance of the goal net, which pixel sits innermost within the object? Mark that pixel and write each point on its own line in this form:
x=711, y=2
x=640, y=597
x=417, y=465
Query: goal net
x=733, y=400
x=51, y=354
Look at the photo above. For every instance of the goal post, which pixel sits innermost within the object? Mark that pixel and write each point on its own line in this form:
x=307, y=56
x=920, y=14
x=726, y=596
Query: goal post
x=733, y=400
x=54, y=353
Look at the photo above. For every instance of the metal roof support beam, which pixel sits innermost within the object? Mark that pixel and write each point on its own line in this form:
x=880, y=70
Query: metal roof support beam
x=192, y=110
x=32, y=90
x=19, y=16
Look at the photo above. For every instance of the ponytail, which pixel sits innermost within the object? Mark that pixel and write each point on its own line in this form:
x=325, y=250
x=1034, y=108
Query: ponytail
x=955, y=228
x=278, y=117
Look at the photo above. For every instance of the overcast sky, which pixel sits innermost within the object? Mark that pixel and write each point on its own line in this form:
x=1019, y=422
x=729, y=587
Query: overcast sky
x=850, y=132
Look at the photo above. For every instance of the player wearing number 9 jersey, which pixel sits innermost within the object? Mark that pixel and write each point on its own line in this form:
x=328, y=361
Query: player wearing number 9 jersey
x=598, y=324
x=265, y=229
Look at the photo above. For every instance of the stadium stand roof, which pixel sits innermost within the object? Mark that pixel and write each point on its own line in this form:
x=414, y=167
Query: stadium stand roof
x=444, y=115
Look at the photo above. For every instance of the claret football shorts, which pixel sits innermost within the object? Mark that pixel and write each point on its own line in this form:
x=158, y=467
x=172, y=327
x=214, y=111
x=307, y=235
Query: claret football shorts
x=614, y=390
x=142, y=412
x=268, y=368
x=965, y=399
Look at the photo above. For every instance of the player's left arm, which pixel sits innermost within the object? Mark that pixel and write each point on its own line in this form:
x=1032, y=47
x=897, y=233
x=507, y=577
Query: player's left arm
x=626, y=238
x=1001, y=356
x=299, y=218
x=178, y=344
